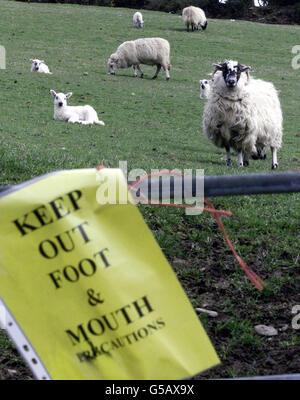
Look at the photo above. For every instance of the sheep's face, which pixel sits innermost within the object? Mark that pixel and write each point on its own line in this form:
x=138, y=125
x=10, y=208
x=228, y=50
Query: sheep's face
x=231, y=71
x=204, y=84
x=60, y=99
x=36, y=64
x=112, y=64
x=205, y=88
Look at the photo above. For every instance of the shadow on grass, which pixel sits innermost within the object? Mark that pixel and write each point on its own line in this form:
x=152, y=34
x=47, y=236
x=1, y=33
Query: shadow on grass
x=145, y=77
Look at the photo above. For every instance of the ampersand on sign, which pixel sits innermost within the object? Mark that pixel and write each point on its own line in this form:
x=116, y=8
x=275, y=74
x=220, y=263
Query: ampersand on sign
x=94, y=298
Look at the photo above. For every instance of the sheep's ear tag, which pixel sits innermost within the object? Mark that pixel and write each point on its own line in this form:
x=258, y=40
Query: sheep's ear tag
x=76, y=270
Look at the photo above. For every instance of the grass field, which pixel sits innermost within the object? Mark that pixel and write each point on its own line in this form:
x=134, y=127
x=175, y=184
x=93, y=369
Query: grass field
x=158, y=124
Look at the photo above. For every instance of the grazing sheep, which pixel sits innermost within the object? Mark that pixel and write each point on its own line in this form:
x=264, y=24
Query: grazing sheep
x=138, y=20
x=39, y=66
x=148, y=51
x=204, y=88
x=194, y=16
x=243, y=113
x=84, y=115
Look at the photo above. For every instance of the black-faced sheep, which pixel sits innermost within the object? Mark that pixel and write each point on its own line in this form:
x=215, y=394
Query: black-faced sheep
x=243, y=113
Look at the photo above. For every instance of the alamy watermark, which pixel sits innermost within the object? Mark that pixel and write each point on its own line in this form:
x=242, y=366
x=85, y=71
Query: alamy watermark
x=296, y=319
x=2, y=57
x=296, y=59
x=185, y=190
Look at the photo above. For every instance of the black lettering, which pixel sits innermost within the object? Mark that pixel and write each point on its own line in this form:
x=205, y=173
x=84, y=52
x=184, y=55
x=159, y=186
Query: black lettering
x=145, y=334
x=55, y=279
x=109, y=325
x=91, y=263
x=76, y=337
x=67, y=274
x=125, y=314
x=103, y=349
x=42, y=216
x=94, y=323
x=58, y=209
x=62, y=242
x=145, y=304
x=74, y=198
x=104, y=259
x=51, y=251
x=82, y=231
x=22, y=225
x=153, y=327
x=160, y=321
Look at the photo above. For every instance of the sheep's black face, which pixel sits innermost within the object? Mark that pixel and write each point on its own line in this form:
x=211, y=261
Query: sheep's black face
x=231, y=71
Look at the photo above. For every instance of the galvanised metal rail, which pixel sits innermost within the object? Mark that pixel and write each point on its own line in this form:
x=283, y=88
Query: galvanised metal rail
x=226, y=185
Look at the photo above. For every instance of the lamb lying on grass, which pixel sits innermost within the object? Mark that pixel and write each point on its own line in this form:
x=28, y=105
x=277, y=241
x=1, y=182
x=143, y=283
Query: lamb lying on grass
x=147, y=51
x=39, y=66
x=84, y=115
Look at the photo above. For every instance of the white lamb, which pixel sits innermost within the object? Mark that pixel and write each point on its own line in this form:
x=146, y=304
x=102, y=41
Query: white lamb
x=84, y=115
x=204, y=88
x=138, y=20
x=243, y=113
x=39, y=66
x=194, y=16
x=148, y=51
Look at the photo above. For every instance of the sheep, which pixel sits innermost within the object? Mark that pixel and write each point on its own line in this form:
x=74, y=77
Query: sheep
x=148, y=51
x=84, y=115
x=194, y=16
x=204, y=88
x=138, y=20
x=39, y=66
x=243, y=113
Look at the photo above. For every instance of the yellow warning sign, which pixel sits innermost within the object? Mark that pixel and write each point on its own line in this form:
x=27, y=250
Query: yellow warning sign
x=90, y=287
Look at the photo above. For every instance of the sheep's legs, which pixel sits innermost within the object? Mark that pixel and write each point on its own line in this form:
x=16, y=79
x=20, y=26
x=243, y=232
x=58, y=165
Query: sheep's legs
x=228, y=158
x=243, y=159
x=135, y=68
x=240, y=158
x=141, y=72
x=158, y=68
x=166, y=69
x=246, y=160
x=74, y=120
x=274, y=158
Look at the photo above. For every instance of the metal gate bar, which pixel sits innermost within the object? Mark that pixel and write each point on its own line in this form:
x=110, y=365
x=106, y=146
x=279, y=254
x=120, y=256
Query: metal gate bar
x=225, y=185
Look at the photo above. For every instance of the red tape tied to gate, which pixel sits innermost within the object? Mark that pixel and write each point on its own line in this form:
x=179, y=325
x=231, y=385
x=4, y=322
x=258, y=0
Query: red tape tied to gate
x=254, y=278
